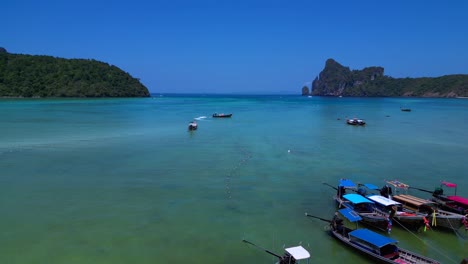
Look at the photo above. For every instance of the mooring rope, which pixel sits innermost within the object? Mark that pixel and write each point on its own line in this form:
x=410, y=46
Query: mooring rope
x=246, y=156
x=426, y=243
x=452, y=227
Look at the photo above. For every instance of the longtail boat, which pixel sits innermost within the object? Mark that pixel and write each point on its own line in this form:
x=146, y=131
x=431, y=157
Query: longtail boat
x=378, y=247
x=393, y=209
x=434, y=215
x=453, y=203
x=397, y=212
x=292, y=255
x=362, y=206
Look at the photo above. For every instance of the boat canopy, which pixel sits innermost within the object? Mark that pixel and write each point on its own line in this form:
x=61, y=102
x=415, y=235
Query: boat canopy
x=351, y=215
x=458, y=199
x=449, y=184
x=298, y=252
x=408, y=199
x=372, y=237
x=398, y=184
x=382, y=200
x=371, y=186
x=356, y=198
x=347, y=184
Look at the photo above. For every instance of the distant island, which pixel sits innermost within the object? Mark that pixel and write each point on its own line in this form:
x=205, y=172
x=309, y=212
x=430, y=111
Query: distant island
x=337, y=80
x=46, y=76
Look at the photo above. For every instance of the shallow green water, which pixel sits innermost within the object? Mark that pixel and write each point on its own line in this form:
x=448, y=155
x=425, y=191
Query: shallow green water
x=122, y=181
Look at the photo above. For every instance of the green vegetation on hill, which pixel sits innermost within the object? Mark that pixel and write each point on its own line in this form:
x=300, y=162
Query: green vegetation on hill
x=337, y=80
x=46, y=76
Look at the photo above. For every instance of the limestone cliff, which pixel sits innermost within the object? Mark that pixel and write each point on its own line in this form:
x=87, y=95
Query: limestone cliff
x=337, y=80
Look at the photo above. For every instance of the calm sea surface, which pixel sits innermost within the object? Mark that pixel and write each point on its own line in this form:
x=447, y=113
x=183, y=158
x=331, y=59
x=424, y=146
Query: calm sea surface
x=123, y=181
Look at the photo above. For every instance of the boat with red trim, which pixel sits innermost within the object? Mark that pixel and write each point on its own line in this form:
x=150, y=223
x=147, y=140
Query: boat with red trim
x=434, y=215
x=453, y=203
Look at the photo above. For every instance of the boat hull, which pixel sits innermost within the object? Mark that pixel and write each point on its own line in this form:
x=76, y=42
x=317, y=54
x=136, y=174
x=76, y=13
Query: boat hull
x=448, y=205
x=412, y=222
x=222, y=115
x=449, y=221
x=372, y=219
x=405, y=256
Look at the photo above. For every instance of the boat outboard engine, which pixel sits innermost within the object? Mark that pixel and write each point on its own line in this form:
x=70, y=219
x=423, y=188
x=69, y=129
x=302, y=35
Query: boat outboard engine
x=393, y=211
x=340, y=191
x=438, y=191
x=287, y=259
x=362, y=191
x=386, y=191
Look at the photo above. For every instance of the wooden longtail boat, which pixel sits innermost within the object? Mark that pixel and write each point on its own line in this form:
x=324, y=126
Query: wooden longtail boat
x=362, y=206
x=397, y=212
x=434, y=215
x=393, y=209
x=292, y=255
x=374, y=245
x=452, y=203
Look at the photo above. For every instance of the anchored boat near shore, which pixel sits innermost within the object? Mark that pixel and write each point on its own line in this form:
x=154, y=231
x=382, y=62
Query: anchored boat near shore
x=372, y=244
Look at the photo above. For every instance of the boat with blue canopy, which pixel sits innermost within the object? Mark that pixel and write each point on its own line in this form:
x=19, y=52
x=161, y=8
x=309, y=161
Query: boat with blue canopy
x=374, y=245
x=362, y=206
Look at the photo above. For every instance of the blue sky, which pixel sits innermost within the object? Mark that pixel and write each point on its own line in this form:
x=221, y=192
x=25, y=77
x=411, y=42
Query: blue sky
x=243, y=46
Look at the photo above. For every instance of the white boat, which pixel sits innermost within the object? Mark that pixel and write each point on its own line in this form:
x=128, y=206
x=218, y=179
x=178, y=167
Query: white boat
x=292, y=255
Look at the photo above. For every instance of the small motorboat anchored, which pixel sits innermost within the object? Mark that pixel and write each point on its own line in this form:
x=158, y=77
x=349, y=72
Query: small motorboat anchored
x=292, y=255
x=216, y=115
x=193, y=126
x=355, y=122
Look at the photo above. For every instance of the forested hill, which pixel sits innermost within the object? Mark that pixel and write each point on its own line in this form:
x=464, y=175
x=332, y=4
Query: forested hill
x=337, y=80
x=46, y=76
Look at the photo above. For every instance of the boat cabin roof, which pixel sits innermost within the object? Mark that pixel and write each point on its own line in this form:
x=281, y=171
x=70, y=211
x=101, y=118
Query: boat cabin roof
x=356, y=198
x=351, y=215
x=458, y=199
x=298, y=252
x=371, y=186
x=372, y=237
x=382, y=200
x=449, y=184
x=347, y=184
x=398, y=184
x=411, y=200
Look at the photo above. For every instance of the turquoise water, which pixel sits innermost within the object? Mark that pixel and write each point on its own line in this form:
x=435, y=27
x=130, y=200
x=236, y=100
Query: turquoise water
x=123, y=181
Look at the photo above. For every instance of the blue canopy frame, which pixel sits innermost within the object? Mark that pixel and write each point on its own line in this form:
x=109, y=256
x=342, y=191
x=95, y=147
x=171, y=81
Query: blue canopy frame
x=351, y=215
x=371, y=186
x=348, y=184
x=372, y=237
x=356, y=198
